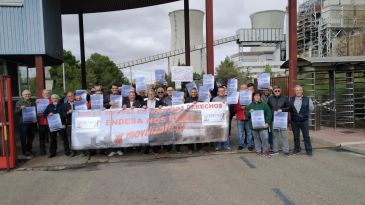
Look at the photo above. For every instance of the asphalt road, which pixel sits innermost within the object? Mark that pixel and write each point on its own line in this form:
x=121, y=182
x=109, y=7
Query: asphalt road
x=329, y=177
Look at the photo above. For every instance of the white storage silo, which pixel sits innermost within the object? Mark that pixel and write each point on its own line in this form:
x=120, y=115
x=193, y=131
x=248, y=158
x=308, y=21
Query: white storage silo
x=197, y=58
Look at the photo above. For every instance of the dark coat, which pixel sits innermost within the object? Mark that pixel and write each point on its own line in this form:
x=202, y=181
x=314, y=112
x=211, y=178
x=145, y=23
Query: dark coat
x=60, y=108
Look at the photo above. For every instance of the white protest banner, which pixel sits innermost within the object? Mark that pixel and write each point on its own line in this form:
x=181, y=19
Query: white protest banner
x=180, y=124
x=204, y=94
x=190, y=86
x=54, y=122
x=80, y=105
x=125, y=89
x=182, y=73
x=29, y=114
x=258, y=119
x=232, y=85
x=177, y=98
x=280, y=120
x=81, y=93
x=160, y=76
x=232, y=98
x=141, y=84
x=263, y=80
x=42, y=105
x=245, y=97
x=97, y=102
x=208, y=80
x=118, y=99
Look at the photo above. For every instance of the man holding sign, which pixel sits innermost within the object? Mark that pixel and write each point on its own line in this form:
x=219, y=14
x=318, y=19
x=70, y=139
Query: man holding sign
x=279, y=106
x=260, y=119
x=242, y=120
x=27, y=128
x=42, y=104
x=57, y=108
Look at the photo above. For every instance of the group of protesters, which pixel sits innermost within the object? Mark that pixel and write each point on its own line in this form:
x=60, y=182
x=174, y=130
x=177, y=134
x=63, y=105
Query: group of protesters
x=267, y=141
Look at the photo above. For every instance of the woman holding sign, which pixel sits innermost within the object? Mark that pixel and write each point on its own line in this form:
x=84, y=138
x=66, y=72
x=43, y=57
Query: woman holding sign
x=52, y=109
x=260, y=119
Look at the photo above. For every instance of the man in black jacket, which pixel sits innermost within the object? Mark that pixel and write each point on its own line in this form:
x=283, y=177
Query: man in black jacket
x=56, y=107
x=279, y=103
x=132, y=102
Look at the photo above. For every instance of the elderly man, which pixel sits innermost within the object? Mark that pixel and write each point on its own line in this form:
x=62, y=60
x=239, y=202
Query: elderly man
x=301, y=108
x=56, y=107
x=223, y=99
x=27, y=129
x=43, y=125
x=167, y=101
x=279, y=103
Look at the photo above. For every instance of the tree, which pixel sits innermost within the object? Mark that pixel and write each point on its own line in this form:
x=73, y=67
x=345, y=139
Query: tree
x=227, y=70
x=268, y=69
x=72, y=74
x=100, y=69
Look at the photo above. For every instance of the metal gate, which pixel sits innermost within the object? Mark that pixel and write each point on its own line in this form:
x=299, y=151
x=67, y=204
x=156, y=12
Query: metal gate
x=7, y=142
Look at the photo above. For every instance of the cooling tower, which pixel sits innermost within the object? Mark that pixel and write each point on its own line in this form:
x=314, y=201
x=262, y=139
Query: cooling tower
x=267, y=19
x=197, y=58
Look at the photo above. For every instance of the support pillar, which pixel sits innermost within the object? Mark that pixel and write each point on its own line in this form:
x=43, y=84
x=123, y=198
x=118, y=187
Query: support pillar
x=293, y=50
x=82, y=51
x=40, y=77
x=187, y=32
x=209, y=36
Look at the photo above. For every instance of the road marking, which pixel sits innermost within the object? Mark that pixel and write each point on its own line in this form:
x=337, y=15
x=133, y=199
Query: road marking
x=282, y=197
x=247, y=162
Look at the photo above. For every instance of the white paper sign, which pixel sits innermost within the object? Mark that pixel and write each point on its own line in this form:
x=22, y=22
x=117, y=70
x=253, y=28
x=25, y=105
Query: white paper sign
x=42, y=105
x=280, y=120
x=182, y=74
x=232, y=85
x=258, y=119
x=245, y=97
x=232, y=99
x=177, y=98
x=54, y=122
x=208, y=80
x=141, y=84
x=263, y=80
x=97, y=102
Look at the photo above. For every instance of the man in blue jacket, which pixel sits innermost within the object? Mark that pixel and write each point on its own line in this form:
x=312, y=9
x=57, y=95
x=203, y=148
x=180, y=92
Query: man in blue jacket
x=56, y=107
x=300, y=110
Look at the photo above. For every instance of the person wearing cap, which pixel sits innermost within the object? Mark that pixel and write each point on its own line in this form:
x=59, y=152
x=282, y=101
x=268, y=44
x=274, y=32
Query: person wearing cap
x=301, y=107
x=56, y=107
x=279, y=103
x=261, y=135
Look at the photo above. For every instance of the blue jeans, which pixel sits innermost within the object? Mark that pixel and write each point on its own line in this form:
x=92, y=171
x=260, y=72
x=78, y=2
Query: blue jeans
x=243, y=131
x=218, y=145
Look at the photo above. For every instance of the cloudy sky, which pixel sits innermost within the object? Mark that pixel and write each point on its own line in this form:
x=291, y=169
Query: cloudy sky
x=132, y=34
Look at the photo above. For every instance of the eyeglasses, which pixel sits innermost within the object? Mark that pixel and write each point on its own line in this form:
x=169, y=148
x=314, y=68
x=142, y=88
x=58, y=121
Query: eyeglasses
x=277, y=91
x=160, y=92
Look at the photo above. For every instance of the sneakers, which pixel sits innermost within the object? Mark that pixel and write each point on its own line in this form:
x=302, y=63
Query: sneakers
x=227, y=149
x=250, y=149
x=310, y=154
x=120, y=153
x=240, y=148
x=111, y=154
x=274, y=153
x=286, y=154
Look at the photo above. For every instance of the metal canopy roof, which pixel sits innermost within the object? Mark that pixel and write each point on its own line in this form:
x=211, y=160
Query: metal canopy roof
x=328, y=61
x=94, y=6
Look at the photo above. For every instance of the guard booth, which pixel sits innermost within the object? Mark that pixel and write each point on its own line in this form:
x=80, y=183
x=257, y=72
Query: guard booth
x=7, y=140
x=337, y=88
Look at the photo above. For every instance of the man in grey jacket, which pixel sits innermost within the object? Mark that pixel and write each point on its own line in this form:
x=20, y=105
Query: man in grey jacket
x=27, y=129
